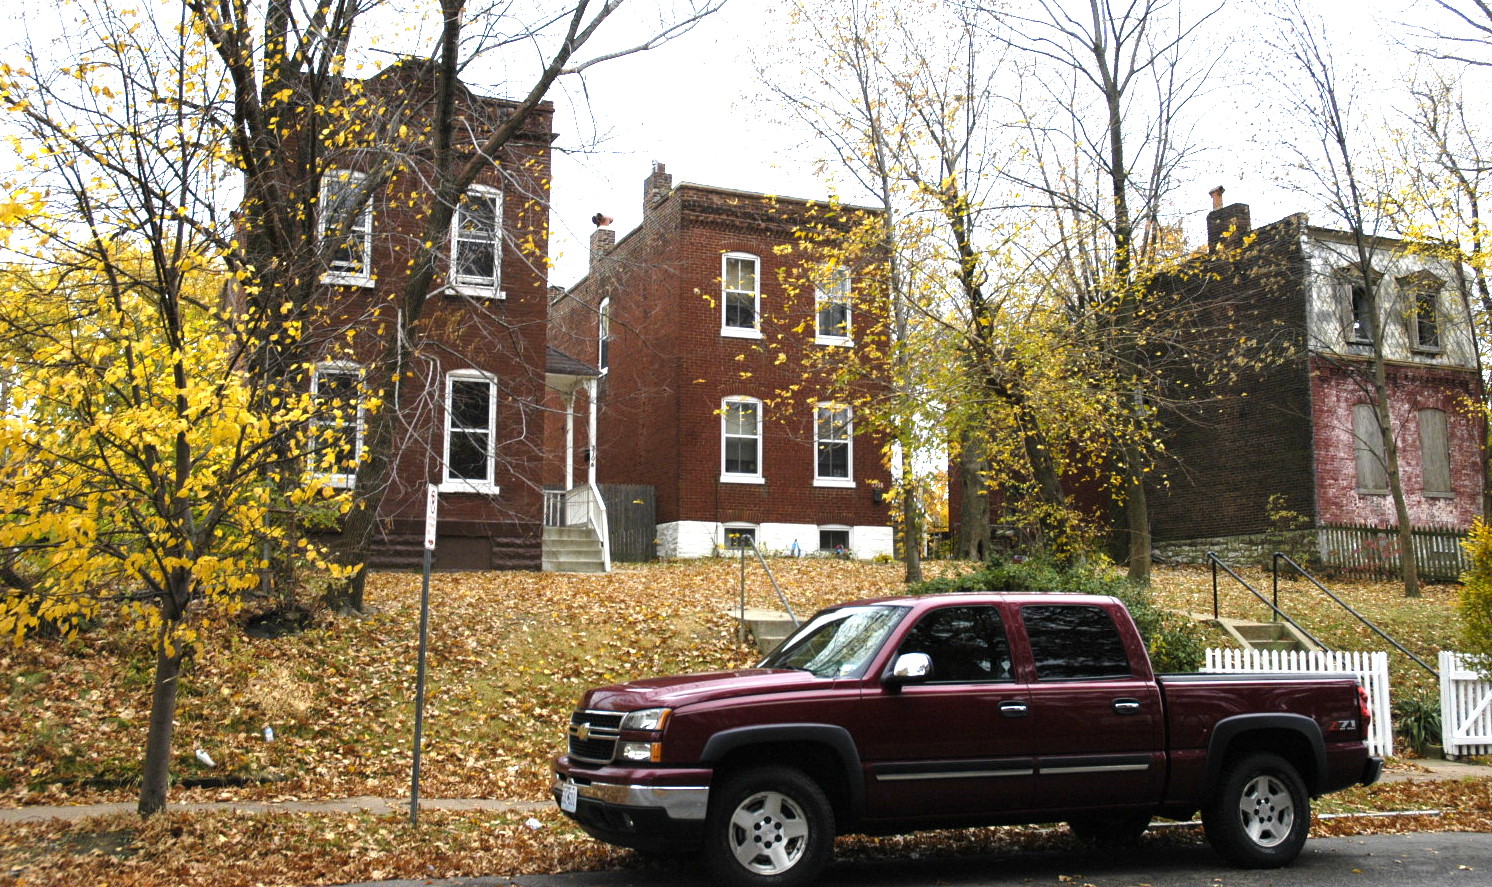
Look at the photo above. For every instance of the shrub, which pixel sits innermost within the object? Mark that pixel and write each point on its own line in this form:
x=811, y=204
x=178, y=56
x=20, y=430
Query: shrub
x=1475, y=601
x=1175, y=643
x=1417, y=720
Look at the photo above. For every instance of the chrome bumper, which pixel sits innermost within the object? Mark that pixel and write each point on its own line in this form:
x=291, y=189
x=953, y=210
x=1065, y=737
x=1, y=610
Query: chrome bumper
x=678, y=801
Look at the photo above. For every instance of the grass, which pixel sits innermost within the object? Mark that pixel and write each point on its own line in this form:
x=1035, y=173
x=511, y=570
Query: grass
x=509, y=655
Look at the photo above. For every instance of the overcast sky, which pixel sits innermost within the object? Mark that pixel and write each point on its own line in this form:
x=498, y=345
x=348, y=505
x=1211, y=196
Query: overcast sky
x=694, y=105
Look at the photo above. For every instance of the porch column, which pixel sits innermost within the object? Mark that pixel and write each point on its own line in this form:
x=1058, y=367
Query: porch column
x=570, y=440
x=590, y=392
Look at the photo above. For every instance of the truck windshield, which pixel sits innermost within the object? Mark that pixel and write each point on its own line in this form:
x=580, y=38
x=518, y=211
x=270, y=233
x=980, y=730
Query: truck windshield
x=837, y=643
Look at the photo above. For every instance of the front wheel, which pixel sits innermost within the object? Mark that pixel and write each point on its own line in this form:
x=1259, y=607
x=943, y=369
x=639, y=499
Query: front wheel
x=1261, y=813
x=769, y=826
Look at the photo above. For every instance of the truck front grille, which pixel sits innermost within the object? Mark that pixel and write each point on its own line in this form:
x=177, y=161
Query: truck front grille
x=593, y=735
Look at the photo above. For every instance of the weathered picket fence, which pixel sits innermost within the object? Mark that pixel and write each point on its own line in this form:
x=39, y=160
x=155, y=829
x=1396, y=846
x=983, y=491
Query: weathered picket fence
x=1371, y=552
x=1371, y=668
x=1465, y=707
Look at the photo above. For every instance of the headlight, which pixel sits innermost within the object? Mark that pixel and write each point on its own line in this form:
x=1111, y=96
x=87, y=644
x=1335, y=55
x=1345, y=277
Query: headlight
x=645, y=719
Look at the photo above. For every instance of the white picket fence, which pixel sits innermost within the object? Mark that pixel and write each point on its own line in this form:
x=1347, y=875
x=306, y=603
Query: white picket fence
x=1465, y=708
x=1370, y=668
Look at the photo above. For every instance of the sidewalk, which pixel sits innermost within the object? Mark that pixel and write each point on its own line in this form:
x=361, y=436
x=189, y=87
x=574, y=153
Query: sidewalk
x=1434, y=769
x=378, y=806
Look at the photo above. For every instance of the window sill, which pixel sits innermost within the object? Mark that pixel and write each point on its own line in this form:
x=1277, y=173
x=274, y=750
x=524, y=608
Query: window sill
x=475, y=291
x=834, y=482
x=1443, y=495
x=736, y=332
x=1362, y=492
x=466, y=486
x=332, y=278
x=834, y=341
x=1423, y=351
x=349, y=481
x=742, y=479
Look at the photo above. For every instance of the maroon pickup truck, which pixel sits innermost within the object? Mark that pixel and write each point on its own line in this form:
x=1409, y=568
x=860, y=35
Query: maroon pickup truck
x=896, y=715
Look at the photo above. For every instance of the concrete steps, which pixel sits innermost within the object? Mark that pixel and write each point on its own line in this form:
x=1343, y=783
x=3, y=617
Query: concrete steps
x=572, y=550
x=768, y=628
x=1266, y=635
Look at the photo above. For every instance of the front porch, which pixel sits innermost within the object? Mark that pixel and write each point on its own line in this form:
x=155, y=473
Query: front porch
x=575, y=526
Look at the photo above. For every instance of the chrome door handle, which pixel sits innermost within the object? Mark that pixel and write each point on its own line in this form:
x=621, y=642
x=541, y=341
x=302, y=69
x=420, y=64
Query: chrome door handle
x=1013, y=709
x=1127, y=706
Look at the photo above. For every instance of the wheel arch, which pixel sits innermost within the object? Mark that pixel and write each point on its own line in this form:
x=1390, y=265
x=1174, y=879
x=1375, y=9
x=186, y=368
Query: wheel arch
x=1296, y=738
x=825, y=752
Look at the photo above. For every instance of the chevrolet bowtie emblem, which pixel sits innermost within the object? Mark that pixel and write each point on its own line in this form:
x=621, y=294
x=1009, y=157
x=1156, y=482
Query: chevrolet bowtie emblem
x=583, y=732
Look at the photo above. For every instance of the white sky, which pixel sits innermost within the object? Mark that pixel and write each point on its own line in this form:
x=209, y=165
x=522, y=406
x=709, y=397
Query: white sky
x=694, y=106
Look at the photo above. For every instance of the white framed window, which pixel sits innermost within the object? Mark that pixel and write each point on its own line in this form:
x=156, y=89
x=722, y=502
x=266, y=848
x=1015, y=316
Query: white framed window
x=1367, y=450
x=833, y=437
x=470, y=456
x=346, y=222
x=740, y=296
x=735, y=537
x=336, y=441
x=476, y=244
x=603, y=336
x=831, y=302
x=741, y=440
x=1435, y=454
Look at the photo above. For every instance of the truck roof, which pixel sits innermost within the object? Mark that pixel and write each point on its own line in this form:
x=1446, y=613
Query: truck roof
x=1015, y=597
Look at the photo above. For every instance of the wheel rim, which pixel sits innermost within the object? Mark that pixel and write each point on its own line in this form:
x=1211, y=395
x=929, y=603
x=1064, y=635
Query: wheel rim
x=768, y=833
x=1267, y=810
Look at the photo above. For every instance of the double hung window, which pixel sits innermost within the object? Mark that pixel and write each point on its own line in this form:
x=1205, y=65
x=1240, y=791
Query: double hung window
x=832, y=308
x=476, y=243
x=741, y=296
x=832, y=446
x=346, y=224
x=741, y=440
x=471, y=433
x=337, y=424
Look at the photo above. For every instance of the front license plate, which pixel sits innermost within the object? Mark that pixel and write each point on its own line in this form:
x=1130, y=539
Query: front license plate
x=568, y=796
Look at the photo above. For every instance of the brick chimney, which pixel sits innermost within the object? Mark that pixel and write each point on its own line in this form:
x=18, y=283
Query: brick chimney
x=1226, y=225
x=656, y=187
x=602, y=240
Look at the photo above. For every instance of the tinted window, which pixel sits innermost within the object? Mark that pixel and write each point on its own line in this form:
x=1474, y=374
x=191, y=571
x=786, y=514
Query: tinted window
x=1074, y=642
x=965, y=644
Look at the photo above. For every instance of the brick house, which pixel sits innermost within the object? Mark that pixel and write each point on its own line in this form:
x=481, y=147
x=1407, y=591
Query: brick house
x=698, y=337
x=483, y=358
x=1304, y=428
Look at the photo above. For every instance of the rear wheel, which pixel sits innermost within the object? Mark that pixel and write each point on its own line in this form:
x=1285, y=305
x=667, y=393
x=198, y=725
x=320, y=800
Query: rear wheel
x=1260, y=814
x=769, y=826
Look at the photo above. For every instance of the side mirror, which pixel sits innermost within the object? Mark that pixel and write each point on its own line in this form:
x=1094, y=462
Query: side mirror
x=909, y=668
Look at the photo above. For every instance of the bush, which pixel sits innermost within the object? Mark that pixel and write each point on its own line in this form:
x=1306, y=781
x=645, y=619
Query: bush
x=1175, y=643
x=1475, y=600
x=1417, y=720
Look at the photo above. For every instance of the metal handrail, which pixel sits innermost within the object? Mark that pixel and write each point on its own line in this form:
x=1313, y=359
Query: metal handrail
x=1216, y=562
x=1280, y=555
x=775, y=587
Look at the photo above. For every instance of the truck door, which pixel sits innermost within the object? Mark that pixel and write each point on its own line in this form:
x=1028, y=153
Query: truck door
x=957, y=742
x=1097, y=725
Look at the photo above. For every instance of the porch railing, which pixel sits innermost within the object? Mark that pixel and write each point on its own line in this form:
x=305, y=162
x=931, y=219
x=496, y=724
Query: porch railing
x=580, y=506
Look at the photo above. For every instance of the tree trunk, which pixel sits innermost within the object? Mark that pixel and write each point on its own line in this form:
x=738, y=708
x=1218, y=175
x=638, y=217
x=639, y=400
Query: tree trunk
x=973, y=506
x=1136, y=517
x=155, y=774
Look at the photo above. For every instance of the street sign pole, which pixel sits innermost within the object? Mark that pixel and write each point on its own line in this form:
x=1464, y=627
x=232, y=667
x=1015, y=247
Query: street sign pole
x=431, y=504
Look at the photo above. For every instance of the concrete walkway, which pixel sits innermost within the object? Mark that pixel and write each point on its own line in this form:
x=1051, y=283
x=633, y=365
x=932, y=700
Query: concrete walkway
x=377, y=806
x=1435, y=769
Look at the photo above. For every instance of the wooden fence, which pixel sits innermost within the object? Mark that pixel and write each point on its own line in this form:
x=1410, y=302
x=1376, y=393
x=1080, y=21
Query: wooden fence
x=631, y=517
x=1465, y=707
x=1371, y=670
x=1370, y=552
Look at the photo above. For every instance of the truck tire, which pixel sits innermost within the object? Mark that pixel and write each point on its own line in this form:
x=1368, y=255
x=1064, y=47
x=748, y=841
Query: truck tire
x=1260, y=814
x=1110, y=831
x=768, y=826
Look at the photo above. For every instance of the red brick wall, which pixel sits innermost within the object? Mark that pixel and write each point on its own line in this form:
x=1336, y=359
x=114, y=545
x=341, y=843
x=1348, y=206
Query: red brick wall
x=503, y=337
x=1336, y=386
x=671, y=368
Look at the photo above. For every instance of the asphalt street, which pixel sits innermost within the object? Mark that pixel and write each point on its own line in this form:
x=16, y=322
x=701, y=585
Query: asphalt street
x=1420, y=860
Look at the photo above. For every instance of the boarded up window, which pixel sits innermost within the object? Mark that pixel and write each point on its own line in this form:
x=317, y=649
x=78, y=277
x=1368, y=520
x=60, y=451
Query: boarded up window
x=1435, y=451
x=1372, y=476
